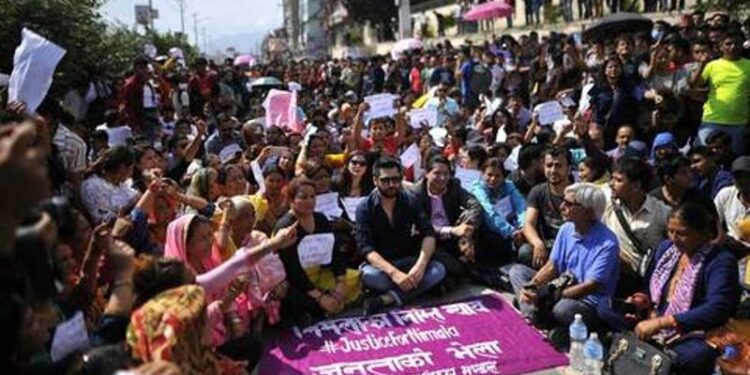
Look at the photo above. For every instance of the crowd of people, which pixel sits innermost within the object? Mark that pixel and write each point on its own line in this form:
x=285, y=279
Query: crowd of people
x=171, y=213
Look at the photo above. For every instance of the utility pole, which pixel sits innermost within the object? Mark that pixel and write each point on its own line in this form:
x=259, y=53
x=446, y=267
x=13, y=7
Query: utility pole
x=151, y=14
x=195, y=29
x=181, y=4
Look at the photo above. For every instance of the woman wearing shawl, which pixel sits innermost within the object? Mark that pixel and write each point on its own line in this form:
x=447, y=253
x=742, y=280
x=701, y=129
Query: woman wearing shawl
x=190, y=239
x=692, y=287
x=171, y=326
x=204, y=186
x=315, y=290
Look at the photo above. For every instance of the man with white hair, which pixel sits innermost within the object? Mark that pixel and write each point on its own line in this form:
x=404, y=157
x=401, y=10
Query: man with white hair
x=584, y=248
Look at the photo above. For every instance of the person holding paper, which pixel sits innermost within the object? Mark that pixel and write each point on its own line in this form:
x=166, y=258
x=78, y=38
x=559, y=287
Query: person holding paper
x=455, y=215
x=503, y=212
x=390, y=229
x=379, y=138
x=446, y=106
x=315, y=290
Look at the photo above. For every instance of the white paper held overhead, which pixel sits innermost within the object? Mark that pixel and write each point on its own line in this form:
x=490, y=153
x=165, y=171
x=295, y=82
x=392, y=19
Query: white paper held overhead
x=34, y=66
x=549, y=112
x=427, y=115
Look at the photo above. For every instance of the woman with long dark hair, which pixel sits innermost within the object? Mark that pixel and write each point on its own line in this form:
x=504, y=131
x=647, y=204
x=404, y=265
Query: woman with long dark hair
x=104, y=192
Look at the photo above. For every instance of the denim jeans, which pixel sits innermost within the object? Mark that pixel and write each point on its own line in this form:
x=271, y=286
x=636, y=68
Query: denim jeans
x=564, y=310
x=379, y=281
x=738, y=133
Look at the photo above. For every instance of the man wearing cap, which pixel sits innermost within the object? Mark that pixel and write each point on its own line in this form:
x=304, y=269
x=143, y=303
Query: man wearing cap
x=733, y=202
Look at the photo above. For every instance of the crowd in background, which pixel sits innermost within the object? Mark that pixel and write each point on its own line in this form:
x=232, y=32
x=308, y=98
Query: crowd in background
x=167, y=209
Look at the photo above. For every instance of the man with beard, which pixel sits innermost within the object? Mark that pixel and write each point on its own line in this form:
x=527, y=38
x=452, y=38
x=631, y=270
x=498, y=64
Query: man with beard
x=543, y=217
x=396, y=239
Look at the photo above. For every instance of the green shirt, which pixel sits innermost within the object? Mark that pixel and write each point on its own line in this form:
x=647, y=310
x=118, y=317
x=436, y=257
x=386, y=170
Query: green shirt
x=729, y=92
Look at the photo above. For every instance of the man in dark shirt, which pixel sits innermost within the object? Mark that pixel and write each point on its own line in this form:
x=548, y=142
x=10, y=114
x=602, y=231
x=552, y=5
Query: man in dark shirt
x=530, y=170
x=389, y=230
x=677, y=180
x=543, y=216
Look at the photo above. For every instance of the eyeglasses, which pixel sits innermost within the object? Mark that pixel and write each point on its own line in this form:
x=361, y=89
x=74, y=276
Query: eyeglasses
x=390, y=180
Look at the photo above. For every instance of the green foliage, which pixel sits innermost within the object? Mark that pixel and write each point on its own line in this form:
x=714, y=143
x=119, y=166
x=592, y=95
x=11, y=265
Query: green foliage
x=93, y=47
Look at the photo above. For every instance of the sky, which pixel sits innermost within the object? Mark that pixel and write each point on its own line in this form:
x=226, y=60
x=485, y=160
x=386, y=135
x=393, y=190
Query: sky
x=229, y=23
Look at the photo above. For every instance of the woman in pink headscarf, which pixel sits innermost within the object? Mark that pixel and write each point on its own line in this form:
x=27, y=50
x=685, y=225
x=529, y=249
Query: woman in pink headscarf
x=190, y=239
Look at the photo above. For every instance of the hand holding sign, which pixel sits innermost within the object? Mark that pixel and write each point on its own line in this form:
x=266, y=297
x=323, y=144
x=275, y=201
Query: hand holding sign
x=316, y=250
x=549, y=112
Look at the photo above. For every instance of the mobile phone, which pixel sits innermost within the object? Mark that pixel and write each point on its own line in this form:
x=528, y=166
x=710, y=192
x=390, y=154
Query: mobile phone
x=623, y=307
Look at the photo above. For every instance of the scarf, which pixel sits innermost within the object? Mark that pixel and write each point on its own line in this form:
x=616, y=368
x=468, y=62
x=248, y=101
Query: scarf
x=682, y=298
x=169, y=327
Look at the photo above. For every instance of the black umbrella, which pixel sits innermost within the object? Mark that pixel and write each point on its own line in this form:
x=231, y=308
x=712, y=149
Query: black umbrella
x=610, y=26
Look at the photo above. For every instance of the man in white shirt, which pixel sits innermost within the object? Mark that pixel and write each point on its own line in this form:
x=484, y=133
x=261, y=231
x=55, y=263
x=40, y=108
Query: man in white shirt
x=733, y=202
x=118, y=135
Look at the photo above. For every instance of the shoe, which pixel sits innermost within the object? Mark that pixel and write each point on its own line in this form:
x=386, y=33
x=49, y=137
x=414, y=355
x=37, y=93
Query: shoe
x=372, y=305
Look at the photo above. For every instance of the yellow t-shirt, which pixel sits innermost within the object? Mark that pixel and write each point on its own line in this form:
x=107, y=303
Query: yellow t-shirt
x=729, y=90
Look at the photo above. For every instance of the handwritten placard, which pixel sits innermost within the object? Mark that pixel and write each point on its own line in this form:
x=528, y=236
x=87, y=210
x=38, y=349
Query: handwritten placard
x=410, y=156
x=328, y=204
x=316, y=250
x=350, y=205
x=381, y=105
x=467, y=177
x=428, y=116
x=549, y=112
x=70, y=336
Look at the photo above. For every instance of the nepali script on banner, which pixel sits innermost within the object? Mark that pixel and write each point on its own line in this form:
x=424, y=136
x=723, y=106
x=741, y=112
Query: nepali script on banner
x=482, y=335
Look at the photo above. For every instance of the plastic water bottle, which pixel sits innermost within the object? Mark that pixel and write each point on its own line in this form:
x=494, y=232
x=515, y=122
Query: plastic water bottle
x=593, y=351
x=578, y=334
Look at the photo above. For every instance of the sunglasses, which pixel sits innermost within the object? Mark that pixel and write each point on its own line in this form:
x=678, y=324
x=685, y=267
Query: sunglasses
x=390, y=180
x=358, y=162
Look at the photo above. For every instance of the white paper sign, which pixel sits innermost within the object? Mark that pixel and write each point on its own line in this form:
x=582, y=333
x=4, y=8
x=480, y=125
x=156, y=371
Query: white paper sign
x=549, y=112
x=381, y=105
x=467, y=177
x=493, y=107
x=567, y=102
x=70, y=336
x=502, y=135
x=316, y=250
x=258, y=174
x=410, y=156
x=504, y=207
x=350, y=205
x=328, y=204
x=34, y=65
x=427, y=115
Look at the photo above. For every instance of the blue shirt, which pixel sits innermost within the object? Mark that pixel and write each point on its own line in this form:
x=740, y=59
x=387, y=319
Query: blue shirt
x=466, y=70
x=504, y=225
x=593, y=257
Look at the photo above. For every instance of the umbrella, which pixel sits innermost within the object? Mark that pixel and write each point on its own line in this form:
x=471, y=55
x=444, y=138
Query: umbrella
x=405, y=45
x=266, y=81
x=618, y=23
x=248, y=60
x=489, y=10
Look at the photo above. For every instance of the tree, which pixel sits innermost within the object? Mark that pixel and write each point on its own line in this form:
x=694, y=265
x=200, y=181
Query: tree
x=735, y=8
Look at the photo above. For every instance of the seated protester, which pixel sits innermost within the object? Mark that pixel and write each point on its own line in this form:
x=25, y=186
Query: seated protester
x=708, y=176
x=663, y=148
x=530, y=170
x=543, y=216
x=225, y=135
x=148, y=220
x=271, y=201
x=190, y=239
x=454, y=214
x=677, y=183
x=183, y=150
x=231, y=179
x=592, y=170
x=315, y=291
x=692, y=286
x=356, y=177
x=733, y=207
x=315, y=150
x=639, y=220
x=586, y=250
x=397, y=241
x=170, y=327
x=379, y=138
x=625, y=134
x=503, y=214
x=204, y=185
x=104, y=192
x=720, y=143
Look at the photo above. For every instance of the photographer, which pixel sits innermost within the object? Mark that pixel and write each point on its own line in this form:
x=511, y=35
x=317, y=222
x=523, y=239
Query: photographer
x=584, y=253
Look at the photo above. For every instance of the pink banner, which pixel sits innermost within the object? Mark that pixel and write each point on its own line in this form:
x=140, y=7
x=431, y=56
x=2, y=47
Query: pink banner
x=482, y=335
x=281, y=110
